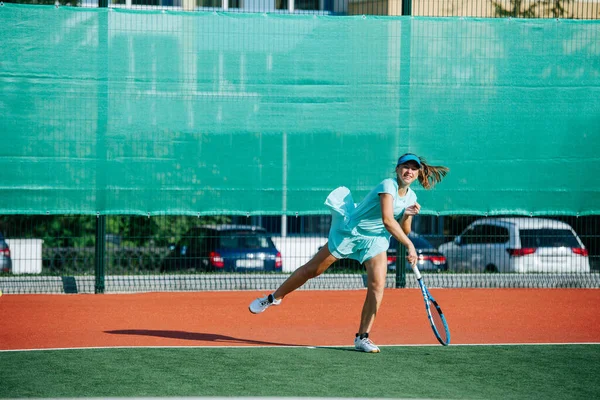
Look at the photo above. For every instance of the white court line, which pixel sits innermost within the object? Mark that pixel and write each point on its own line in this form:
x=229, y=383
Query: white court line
x=299, y=347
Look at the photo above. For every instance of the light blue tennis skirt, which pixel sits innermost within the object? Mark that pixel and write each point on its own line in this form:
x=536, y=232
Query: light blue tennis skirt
x=345, y=241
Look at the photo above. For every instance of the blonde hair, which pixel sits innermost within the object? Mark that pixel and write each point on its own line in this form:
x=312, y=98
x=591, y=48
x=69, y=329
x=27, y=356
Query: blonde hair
x=429, y=175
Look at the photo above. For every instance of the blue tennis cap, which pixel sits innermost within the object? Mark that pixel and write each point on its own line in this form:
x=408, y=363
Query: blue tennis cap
x=409, y=157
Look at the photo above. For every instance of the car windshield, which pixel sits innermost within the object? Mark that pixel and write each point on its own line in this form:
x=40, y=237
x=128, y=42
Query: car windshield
x=418, y=241
x=244, y=240
x=547, y=238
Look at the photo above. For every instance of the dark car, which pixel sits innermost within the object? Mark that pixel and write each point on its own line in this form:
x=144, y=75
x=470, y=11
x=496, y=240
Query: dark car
x=430, y=259
x=5, y=260
x=231, y=248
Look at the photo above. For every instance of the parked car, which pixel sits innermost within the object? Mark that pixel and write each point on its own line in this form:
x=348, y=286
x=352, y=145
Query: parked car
x=517, y=245
x=5, y=260
x=238, y=248
x=430, y=259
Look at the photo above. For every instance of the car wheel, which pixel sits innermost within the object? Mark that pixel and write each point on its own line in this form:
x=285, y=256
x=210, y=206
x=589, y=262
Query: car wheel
x=491, y=268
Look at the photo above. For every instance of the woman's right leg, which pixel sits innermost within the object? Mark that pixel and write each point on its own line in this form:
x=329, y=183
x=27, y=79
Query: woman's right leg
x=315, y=267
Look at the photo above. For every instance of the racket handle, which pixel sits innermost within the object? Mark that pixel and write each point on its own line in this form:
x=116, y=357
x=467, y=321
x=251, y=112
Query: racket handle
x=416, y=271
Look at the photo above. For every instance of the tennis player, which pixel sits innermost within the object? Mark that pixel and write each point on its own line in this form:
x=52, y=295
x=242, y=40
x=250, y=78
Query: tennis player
x=362, y=232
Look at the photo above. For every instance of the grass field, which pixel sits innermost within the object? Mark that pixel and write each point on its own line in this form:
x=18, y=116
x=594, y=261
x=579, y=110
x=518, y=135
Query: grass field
x=455, y=372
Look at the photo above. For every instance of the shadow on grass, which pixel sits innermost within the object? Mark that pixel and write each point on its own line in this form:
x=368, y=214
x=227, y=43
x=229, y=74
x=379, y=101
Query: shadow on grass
x=349, y=348
x=200, y=337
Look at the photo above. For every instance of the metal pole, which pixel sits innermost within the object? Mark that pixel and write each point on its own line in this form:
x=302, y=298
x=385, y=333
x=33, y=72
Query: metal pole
x=99, y=254
x=102, y=118
x=405, y=53
x=400, y=266
x=284, y=187
x=406, y=7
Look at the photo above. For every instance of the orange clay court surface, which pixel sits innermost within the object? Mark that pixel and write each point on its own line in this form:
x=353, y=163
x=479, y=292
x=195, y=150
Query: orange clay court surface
x=305, y=318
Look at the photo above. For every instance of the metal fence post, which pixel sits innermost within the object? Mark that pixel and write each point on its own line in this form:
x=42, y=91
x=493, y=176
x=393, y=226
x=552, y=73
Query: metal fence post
x=406, y=7
x=405, y=75
x=400, y=266
x=99, y=254
x=100, y=249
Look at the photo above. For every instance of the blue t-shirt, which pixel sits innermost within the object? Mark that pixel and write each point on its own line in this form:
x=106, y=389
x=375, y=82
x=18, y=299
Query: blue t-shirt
x=367, y=215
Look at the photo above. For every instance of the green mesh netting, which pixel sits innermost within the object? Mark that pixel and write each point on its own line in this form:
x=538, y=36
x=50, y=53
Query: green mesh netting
x=121, y=112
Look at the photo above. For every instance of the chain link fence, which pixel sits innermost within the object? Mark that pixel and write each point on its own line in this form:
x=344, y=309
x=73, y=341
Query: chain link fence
x=250, y=252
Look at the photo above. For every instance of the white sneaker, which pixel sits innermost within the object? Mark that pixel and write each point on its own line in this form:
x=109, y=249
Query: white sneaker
x=365, y=345
x=262, y=303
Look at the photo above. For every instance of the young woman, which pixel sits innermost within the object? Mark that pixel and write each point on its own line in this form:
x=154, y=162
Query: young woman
x=362, y=232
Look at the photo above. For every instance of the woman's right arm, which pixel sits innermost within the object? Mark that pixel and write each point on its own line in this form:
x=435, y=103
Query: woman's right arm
x=393, y=227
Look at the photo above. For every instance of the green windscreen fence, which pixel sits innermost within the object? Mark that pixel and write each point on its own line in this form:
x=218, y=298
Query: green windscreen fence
x=116, y=111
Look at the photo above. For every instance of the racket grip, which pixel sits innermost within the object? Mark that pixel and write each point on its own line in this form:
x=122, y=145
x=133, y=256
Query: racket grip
x=416, y=271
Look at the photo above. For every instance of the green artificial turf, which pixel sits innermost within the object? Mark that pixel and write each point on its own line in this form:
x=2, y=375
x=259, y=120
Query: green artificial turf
x=455, y=372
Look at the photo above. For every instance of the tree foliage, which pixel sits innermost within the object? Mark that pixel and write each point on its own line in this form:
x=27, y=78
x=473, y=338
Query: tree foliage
x=531, y=8
x=121, y=230
x=45, y=2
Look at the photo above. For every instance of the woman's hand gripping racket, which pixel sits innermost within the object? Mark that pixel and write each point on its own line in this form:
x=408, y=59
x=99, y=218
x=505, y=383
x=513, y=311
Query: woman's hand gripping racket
x=434, y=312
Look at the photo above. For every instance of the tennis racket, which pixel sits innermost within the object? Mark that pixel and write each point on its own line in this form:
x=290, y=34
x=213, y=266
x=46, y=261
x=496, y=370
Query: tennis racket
x=434, y=312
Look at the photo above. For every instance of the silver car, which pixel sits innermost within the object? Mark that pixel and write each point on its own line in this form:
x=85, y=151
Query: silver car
x=517, y=245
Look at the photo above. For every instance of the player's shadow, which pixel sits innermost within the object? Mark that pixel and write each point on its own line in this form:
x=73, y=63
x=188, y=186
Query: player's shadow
x=349, y=348
x=195, y=336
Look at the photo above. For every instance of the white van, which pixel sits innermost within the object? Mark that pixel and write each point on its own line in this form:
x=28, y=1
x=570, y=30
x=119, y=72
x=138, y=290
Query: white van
x=517, y=245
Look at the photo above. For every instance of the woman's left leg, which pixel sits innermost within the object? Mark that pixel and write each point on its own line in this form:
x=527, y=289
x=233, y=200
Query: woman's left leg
x=376, y=273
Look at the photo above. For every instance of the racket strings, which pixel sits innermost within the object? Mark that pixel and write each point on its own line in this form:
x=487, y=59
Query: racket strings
x=438, y=321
